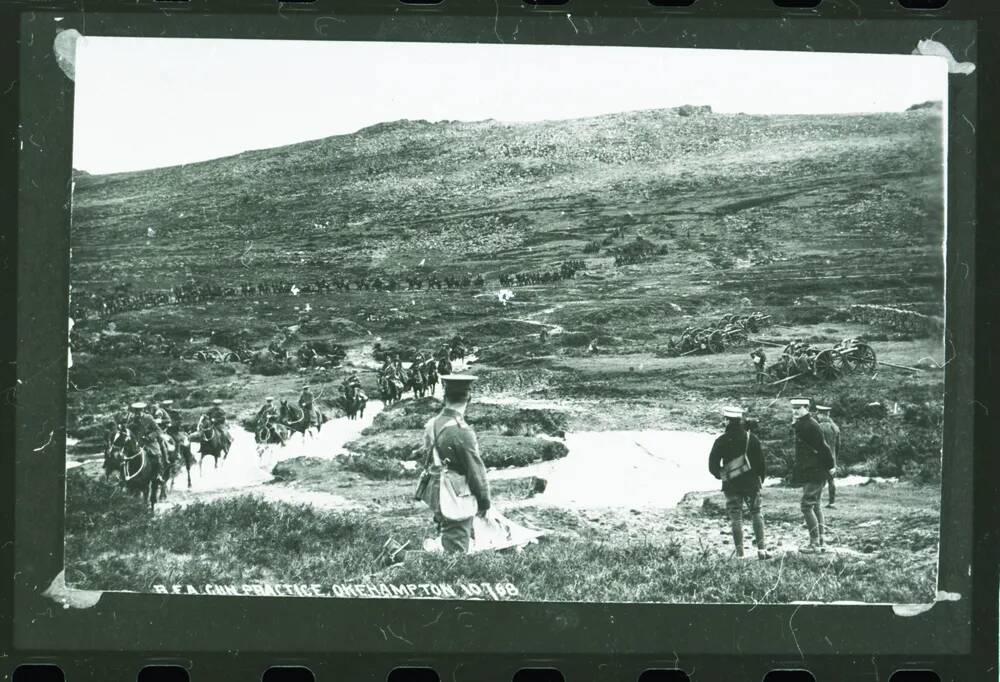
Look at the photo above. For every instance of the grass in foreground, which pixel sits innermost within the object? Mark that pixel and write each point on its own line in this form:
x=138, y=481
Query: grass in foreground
x=113, y=544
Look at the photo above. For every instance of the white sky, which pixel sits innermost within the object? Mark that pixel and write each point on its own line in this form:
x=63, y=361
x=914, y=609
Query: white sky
x=150, y=102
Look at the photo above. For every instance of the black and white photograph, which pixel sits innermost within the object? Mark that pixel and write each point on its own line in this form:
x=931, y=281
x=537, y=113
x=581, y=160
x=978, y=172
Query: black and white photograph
x=506, y=322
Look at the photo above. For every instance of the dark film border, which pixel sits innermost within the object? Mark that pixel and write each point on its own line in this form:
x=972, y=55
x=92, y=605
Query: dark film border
x=536, y=631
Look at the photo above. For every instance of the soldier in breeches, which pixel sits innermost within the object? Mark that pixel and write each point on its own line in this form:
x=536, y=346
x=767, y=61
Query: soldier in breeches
x=741, y=488
x=142, y=424
x=831, y=434
x=458, y=449
x=813, y=463
x=306, y=405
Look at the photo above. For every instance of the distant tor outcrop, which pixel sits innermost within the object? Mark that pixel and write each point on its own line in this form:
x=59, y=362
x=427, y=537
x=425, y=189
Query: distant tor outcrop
x=694, y=110
x=933, y=104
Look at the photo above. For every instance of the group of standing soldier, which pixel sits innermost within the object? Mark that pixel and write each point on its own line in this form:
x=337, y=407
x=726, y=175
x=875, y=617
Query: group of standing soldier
x=738, y=460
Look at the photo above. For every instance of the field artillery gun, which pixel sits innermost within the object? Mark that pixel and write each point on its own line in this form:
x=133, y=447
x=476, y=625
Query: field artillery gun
x=731, y=330
x=214, y=355
x=800, y=359
x=697, y=339
x=751, y=323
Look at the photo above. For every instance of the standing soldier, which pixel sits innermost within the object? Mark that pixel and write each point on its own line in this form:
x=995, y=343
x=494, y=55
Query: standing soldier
x=451, y=443
x=737, y=460
x=831, y=434
x=759, y=364
x=813, y=463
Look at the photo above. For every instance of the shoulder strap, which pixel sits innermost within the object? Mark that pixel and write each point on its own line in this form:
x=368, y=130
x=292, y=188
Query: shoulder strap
x=437, y=434
x=746, y=448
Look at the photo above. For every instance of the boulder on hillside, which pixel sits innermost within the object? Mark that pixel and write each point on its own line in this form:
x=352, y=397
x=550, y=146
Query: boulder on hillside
x=694, y=110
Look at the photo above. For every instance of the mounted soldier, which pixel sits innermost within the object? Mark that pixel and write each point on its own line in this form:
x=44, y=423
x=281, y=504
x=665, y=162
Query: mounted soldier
x=161, y=416
x=351, y=385
x=267, y=413
x=143, y=426
x=306, y=405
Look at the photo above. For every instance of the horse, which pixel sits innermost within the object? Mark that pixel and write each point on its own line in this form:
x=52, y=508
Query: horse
x=444, y=366
x=354, y=402
x=431, y=376
x=140, y=467
x=415, y=381
x=214, y=440
x=300, y=421
x=392, y=389
x=182, y=452
x=113, y=451
x=271, y=432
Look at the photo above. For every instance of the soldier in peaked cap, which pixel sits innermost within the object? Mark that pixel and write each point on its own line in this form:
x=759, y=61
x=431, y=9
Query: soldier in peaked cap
x=167, y=406
x=737, y=459
x=450, y=442
x=161, y=416
x=142, y=424
x=267, y=412
x=813, y=462
x=831, y=434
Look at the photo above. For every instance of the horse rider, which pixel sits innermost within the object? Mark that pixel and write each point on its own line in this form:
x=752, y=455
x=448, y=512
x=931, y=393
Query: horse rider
x=352, y=385
x=161, y=416
x=172, y=415
x=306, y=404
x=144, y=427
x=123, y=417
x=267, y=413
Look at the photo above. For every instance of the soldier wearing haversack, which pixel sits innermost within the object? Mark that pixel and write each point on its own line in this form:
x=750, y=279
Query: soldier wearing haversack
x=737, y=460
x=451, y=443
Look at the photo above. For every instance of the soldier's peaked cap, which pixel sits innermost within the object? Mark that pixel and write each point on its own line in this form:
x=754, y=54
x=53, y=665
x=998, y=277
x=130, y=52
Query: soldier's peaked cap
x=217, y=401
x=800, y=402
x=269, y=399
x=166, y=402
x=732, y=412
x=138, y=406
x=823, y=408
x=458, y=379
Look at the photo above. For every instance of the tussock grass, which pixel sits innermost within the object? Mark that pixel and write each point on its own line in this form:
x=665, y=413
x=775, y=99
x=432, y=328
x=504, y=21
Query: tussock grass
x=113, y=543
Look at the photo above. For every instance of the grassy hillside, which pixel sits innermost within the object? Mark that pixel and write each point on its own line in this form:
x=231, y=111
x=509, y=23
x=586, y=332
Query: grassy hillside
x=497, y=196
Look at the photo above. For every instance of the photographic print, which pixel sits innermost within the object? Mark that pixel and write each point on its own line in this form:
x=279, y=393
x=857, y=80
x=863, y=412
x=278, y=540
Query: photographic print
x=505, y=322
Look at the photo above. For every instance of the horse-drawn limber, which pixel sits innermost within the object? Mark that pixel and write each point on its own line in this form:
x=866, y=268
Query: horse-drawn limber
x=797, y=359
